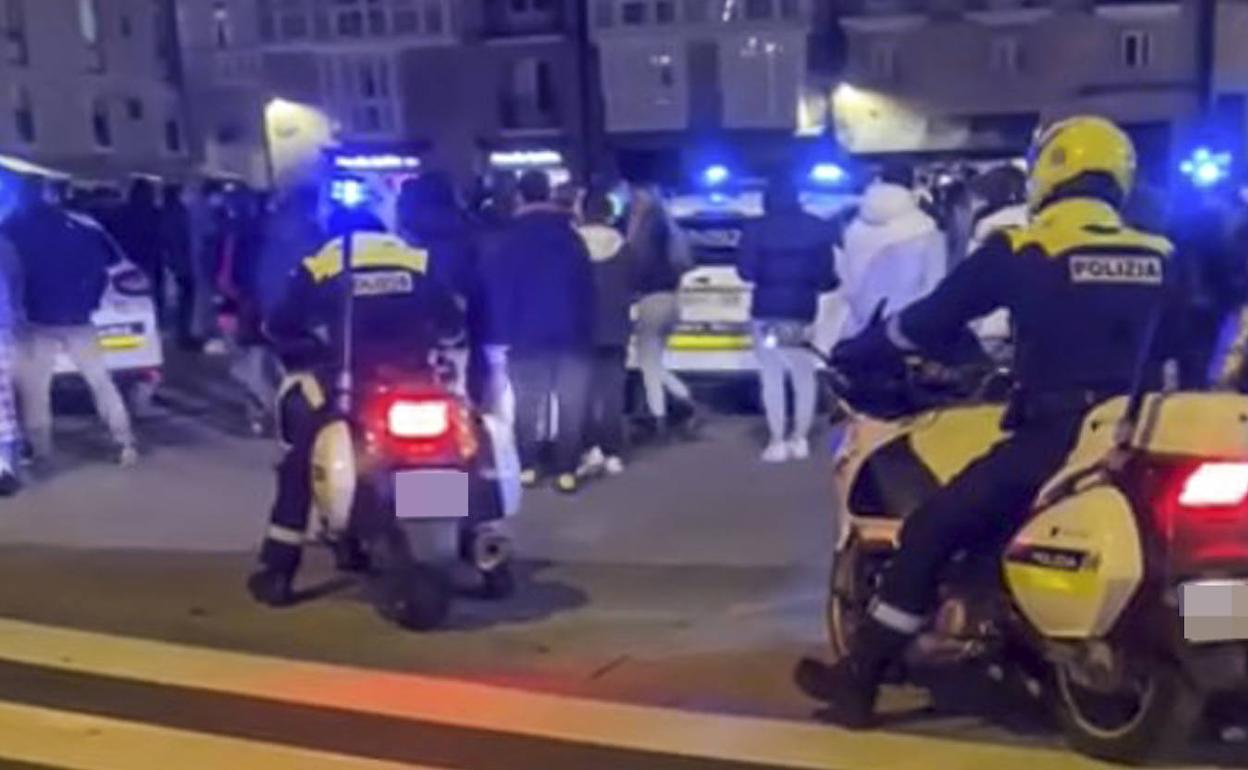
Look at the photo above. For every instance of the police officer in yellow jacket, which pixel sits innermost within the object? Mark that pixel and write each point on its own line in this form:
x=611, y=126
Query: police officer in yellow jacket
x=1082, y=288
x=399, y=317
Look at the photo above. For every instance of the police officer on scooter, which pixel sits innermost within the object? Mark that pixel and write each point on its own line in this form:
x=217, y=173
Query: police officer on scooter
x=1083, y=290
x=399, y=316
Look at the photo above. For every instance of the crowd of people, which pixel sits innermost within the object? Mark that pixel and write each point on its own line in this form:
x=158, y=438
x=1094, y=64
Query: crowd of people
x=558, y=284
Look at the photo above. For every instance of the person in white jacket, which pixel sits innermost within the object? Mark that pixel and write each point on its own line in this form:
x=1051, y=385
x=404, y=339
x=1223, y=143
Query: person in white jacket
x=894, y=254
x=1001, y=200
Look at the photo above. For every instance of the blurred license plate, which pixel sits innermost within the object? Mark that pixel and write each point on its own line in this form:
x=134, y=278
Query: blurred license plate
x=1215, y=610
x=713, y=306
x=431, y=494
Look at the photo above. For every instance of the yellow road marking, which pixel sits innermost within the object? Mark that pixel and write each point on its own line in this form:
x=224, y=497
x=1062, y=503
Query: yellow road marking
x=78, y=742
x=461, y=704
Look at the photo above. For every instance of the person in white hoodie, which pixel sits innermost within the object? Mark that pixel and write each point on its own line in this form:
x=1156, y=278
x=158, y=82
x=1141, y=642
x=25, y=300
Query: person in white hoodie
x=893, y=255
x=1001, y=202
x=614, y=266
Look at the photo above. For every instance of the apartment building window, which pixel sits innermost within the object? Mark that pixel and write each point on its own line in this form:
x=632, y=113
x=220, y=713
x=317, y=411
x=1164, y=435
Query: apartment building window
x=409, y=17
x=1005, y=56
x=528, y=98
x=634, y=12
x=173, y=136
x=362, y=91
x=13, y=32
x=434, y=21
x=134, y=108
x=697, y=11
x=125, y=26
x=1136, y=49
x=101, y=124
x=665, y=76
x=222, y=31
x=284, y=20
x=760, y=9
x=882, y=60
x=89, y=26
x=24, y=116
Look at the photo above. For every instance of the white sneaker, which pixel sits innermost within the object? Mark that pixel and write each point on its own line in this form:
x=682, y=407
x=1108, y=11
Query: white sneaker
x=613, y=465
x=776, y=452
x=127, y=456
x=799, y=449
x=592, y=463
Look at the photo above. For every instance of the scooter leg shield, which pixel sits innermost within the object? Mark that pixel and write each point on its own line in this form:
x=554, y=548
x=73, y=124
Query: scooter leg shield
x=334, y=475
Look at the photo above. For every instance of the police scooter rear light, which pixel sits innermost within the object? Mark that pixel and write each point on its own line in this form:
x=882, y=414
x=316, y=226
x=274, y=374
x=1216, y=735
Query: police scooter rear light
x=406, y=419
x=1215, y=485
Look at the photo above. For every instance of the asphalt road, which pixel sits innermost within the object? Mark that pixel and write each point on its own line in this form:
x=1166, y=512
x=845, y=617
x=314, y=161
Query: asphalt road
x=693, y=582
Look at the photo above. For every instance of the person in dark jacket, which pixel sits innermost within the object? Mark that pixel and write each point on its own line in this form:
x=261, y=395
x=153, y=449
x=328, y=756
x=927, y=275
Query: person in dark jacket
x=429, y=217
x=661, y=259
x=175, y=239
x=65, y=260
x=544, y=287
x=613, y=263
x=136, y=227
x=788, y=256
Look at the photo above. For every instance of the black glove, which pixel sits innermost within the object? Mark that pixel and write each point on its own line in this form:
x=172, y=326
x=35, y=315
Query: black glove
x=870, y=350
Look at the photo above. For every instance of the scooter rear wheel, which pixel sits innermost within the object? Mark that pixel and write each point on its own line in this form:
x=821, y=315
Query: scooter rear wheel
x=1151, y=714
x=417, y=598
x=855, y=574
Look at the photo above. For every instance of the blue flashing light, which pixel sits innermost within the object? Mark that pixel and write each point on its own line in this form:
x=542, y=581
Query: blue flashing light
x=1206, y=168
x=350, y=193
x=715, y=175
x=827, y=173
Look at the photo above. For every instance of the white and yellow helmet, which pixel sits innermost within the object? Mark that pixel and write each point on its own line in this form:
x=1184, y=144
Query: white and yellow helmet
x=1077, y=146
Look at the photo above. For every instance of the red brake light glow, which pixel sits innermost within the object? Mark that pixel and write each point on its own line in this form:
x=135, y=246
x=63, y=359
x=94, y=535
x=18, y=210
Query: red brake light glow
x=418, y=419
x=1215, y=485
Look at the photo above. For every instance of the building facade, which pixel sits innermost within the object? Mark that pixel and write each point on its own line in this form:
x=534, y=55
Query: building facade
x=979, y=75
x=683, y=75
x=276, y=81
x=91, y=87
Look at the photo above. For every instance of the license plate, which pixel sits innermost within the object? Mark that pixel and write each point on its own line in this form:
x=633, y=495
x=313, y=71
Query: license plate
x=431, y=494
x=1215, y=610
x=713, y=306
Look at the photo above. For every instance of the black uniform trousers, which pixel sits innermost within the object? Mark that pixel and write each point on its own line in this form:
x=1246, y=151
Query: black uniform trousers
x=303, y=410
x=979, y=509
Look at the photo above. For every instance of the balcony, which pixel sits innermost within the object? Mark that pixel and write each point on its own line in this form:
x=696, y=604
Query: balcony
x=507, y=19
x=527, y=117
x=237, y=67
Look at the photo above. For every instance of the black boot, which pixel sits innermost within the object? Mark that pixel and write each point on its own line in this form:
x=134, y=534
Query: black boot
x=10, y=484
x=851, y=686
x=350, y=556
x=271, y=588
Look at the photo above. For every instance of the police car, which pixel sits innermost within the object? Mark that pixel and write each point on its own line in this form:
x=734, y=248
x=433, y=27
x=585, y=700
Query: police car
x=127, y=327
x=714, y=336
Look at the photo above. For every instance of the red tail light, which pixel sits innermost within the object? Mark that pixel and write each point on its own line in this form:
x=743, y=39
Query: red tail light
x=425, y=428
x=1200, y=508
x=407, y=419
x=1215, y=485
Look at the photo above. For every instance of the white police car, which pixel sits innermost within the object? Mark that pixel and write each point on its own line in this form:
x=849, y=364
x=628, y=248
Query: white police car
x=127, y=328
x=713, y=336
